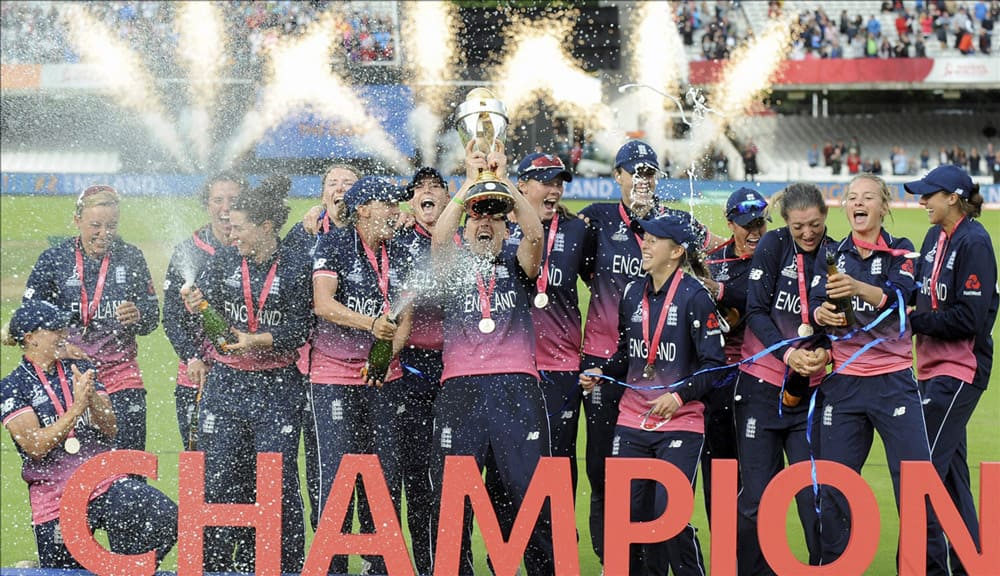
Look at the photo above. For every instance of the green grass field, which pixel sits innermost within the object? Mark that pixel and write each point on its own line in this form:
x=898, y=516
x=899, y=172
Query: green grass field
x=156, y=224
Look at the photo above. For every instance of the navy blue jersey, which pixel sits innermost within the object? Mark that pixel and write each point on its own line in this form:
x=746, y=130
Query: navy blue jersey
x=189, y=259
x=339, y=352
x=558, y=325
x=427, y=332
x=954, y=338
x=774, y=305
x=21, y=392
x=510, y=347
x=106, y=340
x=733, y=276
x=286, y=314
x=691, y=340
x=888, y=273
x=613, y=260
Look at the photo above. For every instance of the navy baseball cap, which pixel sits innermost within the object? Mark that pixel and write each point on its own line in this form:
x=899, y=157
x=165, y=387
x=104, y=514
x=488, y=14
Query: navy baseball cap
x=635, y=154
x=37, y=315
x=947, y=177
x=675, y=225
x=746, y=205
x=372, y=189
x=543, y=167
x=426, y=173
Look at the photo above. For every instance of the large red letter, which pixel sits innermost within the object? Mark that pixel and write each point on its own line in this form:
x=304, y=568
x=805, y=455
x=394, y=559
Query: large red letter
x=551, y=481
x=387, y=541
x=774, y=503
x=920, y=480
x=725, y=476
x=619, y=530
x=264, y=515
x=73, y=513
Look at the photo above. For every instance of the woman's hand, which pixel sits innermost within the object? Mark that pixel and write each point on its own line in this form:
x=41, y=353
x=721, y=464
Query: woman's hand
x=841, y=286
x=383, y=328
x=589, y=378
x=310, y=222
x=664, y=406
x=497, y=161
x=827, y=315
x=192, y=297
x=807, y=362
x=127, y=313
x=83, y=387
x=197, y=371
x=475, y=161
x=246, y=341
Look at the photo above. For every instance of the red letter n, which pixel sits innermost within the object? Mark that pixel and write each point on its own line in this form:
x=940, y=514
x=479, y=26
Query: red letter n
x=195, y=514
x=921, y=481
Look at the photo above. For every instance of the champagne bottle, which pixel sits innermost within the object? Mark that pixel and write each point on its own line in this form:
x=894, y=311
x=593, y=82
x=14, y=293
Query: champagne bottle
x=379, y=358
x=216, y=328
x=796, y=386
x=844, y=305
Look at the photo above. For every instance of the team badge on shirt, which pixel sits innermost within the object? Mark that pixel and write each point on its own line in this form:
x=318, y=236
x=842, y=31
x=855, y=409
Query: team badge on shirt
x=119, y=274
x=876, y=266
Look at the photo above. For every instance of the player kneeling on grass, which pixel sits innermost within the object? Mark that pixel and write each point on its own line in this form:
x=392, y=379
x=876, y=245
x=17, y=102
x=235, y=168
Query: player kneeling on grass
x=668, y=329
x=59, y=417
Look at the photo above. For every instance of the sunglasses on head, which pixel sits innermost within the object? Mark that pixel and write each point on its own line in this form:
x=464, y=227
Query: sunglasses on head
x=545, y=162
x=747, y=207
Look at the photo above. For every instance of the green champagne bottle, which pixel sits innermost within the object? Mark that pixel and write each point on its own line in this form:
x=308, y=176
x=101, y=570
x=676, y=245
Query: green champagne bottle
x=379, y=358
x=844, y=305
x=216, y=328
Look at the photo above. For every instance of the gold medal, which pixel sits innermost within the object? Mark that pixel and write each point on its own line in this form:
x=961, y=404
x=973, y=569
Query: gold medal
x=541, y=300
x=487, y=325
x=71, y=445
x=648, y=372
x=911, y=255
x=805, y=330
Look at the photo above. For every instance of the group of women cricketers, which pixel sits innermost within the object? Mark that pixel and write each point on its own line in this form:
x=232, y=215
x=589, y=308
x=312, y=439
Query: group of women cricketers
x=695, y=346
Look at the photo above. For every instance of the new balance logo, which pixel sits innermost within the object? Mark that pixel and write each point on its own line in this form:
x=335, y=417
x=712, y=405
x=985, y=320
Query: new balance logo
x=533, y=435
x=899, y=411
x=675, y=444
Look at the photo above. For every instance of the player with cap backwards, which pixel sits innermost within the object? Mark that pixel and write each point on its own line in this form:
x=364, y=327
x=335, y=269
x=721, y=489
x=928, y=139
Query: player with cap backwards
x=490, y=404
x=772, y=394
x=614, y=260
x=358, y=274
x=729, y=265
x=556, y=305
x=253, y=396
x=872, y=387
x=105, y=283
x=184, y=330
x=668, y=330
x=59, y=417
x=421, y=358
x=956, y=308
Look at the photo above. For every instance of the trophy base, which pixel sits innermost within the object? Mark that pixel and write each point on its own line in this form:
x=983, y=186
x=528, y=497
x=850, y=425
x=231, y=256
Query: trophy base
x=489, y=198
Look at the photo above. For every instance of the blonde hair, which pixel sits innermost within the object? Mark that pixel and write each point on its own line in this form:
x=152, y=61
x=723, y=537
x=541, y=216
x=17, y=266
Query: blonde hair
x=99, y=195
x=883, y=189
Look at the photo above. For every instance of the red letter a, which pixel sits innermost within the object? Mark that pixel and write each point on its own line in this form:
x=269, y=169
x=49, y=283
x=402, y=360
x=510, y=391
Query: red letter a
x=387, y=541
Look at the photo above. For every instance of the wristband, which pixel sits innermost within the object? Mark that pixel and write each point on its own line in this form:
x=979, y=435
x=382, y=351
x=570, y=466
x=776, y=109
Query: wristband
x=372, y=329
x=457, y=201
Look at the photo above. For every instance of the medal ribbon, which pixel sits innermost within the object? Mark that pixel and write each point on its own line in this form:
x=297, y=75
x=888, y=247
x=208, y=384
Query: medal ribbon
x=942, y=245
x=486, y=294
x=651, y=342
x=252, y=320
x=421, y=230
x=204, y=246
x=325, y=221
x=723, y=247
x=88, y=308
x=879, y=246
x=67, y=394
x=628, y=223
x=543, y=279
x=381, y=272
x=803, y=293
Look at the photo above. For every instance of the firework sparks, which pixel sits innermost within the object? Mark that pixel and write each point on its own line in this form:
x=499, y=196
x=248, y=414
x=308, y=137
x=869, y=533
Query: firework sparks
x=655, y=32
x=124, y=76
x=299, y=78
x=201, y=48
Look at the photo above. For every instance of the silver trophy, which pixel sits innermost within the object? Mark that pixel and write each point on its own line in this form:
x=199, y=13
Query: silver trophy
x=483, y=118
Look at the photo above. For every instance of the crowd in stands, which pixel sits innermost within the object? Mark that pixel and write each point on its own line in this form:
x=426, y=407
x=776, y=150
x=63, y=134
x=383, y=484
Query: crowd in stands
x=839, y=157
x=964, y=27
x=33, y=33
